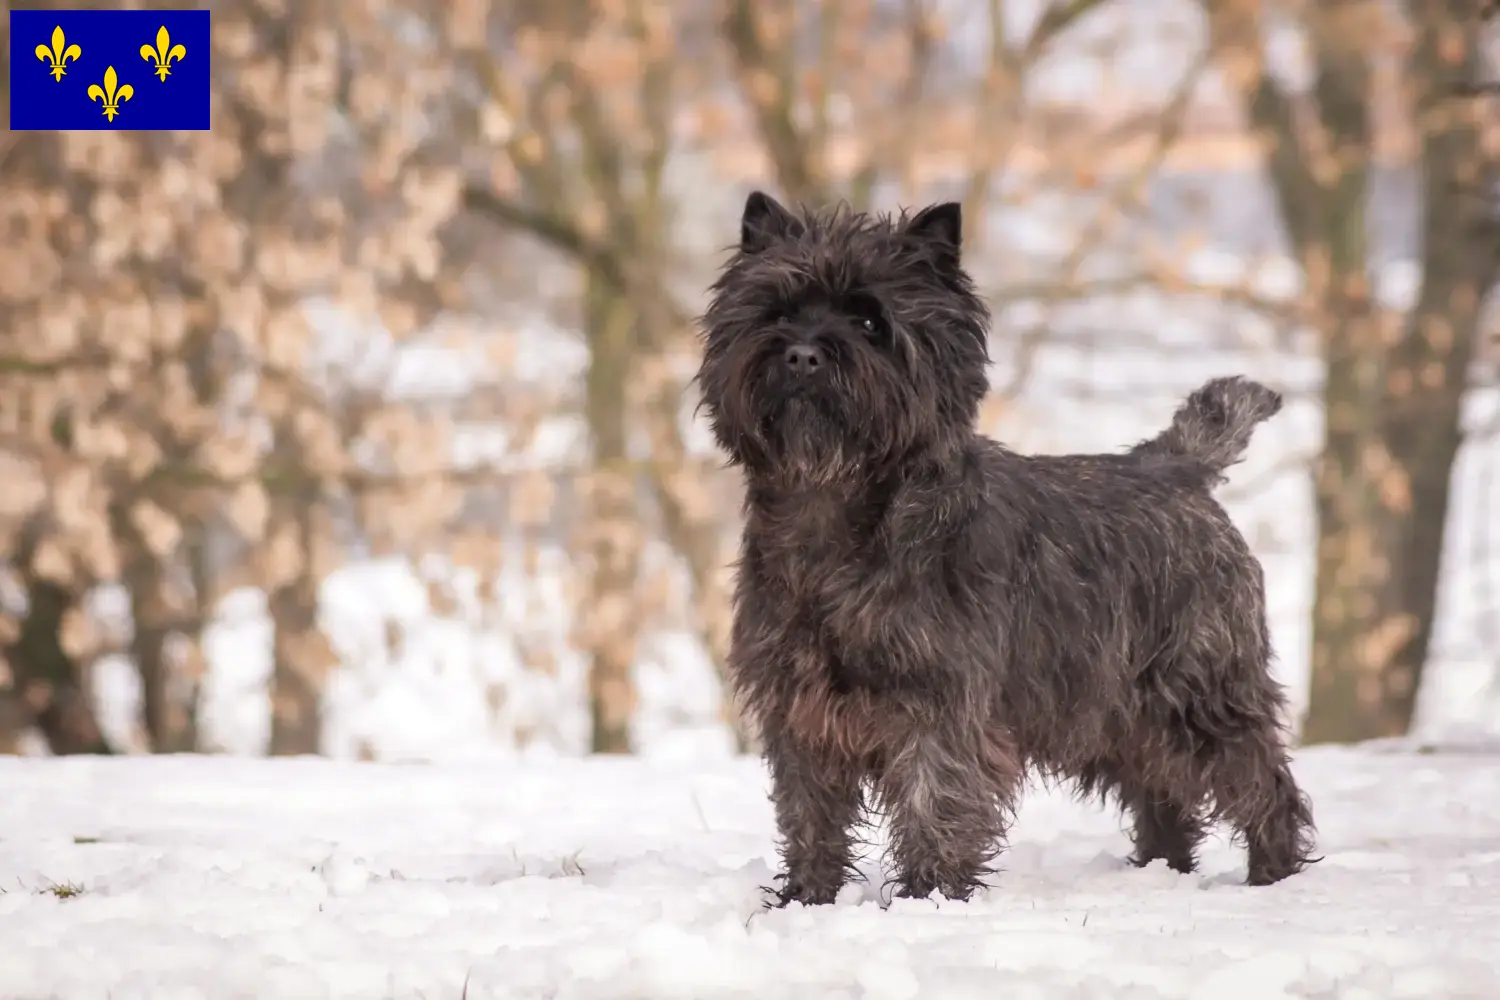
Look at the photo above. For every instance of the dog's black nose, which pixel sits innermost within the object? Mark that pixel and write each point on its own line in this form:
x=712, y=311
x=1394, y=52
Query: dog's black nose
x=804, y=359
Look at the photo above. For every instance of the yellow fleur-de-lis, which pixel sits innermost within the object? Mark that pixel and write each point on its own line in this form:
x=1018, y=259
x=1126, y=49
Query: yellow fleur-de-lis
x=111, y=95
x=164, y=54
x=59, y=55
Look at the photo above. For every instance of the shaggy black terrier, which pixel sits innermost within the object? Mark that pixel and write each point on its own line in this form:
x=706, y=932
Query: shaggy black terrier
x=924, y=614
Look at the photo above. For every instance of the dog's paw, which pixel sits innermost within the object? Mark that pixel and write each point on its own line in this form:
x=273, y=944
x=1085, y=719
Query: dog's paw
x=795, y=891
x=1270, y=874
x=957, y=890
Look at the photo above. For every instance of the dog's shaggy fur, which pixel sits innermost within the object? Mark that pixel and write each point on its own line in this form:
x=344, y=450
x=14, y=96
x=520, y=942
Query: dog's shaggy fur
x=921, y=614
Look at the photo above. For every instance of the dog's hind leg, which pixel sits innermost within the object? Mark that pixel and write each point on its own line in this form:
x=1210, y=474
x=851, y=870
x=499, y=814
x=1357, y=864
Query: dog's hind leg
x=950, y=794
x=1166, y=816
x=1165, y=828
x=1255, y=792
x=1241, y=761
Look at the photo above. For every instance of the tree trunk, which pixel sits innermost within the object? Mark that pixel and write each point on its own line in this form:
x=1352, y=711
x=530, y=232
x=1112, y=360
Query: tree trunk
x=296, y=694
x=169, y=698
x=612, y=529
x=51, y=688
x=1358, y=617
x=1393, y=384
x=695, y=542
x=1393, y=433
x=301, y=655
x=13, y=717
x=695, y=538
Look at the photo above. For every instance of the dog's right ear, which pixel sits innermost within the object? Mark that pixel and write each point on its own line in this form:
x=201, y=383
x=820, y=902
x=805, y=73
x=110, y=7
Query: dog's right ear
x=764, y=222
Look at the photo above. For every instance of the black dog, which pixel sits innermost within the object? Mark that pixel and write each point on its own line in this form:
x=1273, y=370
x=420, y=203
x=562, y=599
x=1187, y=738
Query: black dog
x=922, y=610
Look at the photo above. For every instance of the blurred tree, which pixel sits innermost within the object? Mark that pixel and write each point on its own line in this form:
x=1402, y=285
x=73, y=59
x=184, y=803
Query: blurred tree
x=593, y=104
x=156, y=359
x=849, y=95
x=1395, y=381
x=48, y=685
x=180, y=427
x=581, y=100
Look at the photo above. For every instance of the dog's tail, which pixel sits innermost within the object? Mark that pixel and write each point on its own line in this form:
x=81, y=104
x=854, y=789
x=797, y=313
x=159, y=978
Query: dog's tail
x=1214, y=424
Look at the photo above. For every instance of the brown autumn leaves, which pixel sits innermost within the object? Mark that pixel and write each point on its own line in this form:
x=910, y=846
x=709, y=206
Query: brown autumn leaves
x=206, y=338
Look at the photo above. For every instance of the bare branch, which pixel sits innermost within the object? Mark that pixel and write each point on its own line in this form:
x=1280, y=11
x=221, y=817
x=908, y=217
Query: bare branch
x=1124, y=199
x=766, y=79
x=1056, y=18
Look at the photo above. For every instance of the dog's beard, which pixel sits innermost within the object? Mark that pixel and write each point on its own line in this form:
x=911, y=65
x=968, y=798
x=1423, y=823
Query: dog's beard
x=814, y=445
x=809, y=429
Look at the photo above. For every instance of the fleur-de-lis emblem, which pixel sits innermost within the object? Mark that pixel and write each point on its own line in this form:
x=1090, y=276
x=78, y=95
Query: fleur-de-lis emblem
x=164, y=54
x=111, y=95
x=59, y=55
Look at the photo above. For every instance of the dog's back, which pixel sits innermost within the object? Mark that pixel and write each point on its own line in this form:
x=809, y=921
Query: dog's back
x=1128, y=561
x=1137, y=655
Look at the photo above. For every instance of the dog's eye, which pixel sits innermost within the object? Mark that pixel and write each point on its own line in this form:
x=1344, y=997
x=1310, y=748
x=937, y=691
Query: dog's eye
x=867, y=316
x=874, y=328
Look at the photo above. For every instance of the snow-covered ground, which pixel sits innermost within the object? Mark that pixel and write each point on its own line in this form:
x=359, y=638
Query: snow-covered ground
x=221, y=878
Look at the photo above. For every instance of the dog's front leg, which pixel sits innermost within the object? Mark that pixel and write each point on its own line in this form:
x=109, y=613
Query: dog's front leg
x=951, y=792
x=817, y=797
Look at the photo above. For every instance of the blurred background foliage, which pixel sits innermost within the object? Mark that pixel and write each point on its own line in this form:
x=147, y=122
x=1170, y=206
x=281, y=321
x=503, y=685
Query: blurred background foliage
x=366, y=417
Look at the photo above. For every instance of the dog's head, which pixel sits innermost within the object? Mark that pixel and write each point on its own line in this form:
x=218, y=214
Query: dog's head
x=840, y=344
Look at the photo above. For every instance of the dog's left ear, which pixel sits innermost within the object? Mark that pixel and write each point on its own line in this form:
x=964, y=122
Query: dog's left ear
x=940, y=228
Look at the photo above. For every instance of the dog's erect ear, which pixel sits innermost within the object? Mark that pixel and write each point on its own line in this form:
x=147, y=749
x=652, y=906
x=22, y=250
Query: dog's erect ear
x=765, y=221
x=940, y=228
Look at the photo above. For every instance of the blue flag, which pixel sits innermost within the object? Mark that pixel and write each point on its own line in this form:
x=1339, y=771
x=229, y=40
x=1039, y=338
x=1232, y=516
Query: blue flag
x=109, y=69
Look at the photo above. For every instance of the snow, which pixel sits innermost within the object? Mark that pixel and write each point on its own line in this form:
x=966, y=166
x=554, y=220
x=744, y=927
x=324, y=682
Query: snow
x=224, y=877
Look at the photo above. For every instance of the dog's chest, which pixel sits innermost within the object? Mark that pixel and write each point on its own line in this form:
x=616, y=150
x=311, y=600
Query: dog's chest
x=813, y=550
